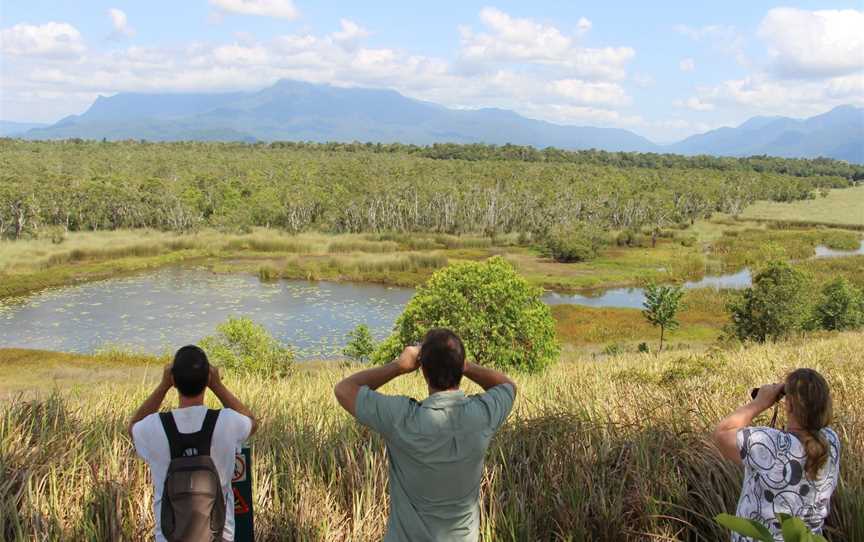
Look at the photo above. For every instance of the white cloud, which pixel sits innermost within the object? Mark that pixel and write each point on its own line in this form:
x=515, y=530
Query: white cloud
x=120, y=23
x=687, y=65
x=50, y=40
x=815, y=61
x=350, y=34
x=510, y=40
x=726, y=40
x=805, y=43
x=283, y=9
x=694, y=104
x=583, y=26
x=585, y=92
x=557, y=80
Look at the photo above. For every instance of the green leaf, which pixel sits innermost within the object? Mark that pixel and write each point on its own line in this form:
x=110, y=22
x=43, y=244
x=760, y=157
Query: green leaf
x=794, y=529
x=745, y=527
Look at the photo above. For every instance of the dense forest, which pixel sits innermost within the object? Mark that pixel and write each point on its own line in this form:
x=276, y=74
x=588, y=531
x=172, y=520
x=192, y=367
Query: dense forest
x=78, y=185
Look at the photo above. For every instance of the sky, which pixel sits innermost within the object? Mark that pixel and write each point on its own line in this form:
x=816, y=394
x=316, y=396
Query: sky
x=664, y=70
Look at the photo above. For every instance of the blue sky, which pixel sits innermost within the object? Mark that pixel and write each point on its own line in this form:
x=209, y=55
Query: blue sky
x=662, y=69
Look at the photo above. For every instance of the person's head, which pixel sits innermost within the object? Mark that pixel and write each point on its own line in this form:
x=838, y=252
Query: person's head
x=191, y=371
x=442, y=358
x=808, y=406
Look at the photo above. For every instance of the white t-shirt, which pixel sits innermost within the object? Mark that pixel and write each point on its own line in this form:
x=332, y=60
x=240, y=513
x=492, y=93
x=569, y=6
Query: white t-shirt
x=232, y=428
x=775, y=480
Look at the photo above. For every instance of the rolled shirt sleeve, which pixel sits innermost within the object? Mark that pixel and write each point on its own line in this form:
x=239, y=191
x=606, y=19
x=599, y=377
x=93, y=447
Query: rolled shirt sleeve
x=378, y=411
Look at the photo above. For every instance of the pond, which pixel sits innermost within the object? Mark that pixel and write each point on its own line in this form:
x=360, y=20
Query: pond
x=159, y=311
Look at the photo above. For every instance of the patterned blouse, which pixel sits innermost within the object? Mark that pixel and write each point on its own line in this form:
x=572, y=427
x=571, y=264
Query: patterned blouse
x=775, y=481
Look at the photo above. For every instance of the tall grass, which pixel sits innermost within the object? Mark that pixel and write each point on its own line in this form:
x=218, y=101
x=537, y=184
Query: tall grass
x=611, y=450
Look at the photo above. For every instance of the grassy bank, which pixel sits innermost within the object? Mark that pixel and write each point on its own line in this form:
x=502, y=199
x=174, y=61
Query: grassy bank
x=605, y=450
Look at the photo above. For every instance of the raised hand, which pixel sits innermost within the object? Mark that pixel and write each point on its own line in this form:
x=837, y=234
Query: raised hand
x=409, y=360
x=215, y=380
x=769, y=394
x=167, y=381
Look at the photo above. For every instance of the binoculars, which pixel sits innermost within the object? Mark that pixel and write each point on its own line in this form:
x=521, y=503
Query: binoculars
x=755, y=391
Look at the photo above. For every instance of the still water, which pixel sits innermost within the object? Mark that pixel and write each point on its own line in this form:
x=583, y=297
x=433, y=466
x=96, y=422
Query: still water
x=170, y=307
x=158, y=311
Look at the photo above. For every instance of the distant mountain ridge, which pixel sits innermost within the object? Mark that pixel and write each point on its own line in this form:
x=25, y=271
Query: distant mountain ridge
x=838, y=134
x=299, y=111
x=291, y=110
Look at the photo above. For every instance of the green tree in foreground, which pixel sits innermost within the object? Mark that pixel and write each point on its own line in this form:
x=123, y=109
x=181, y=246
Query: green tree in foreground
x=243, y=346
x=360, y=344
x=793, y=529
x=777, y=305
x=840, y=307
x=661, y=306
x=499, y=316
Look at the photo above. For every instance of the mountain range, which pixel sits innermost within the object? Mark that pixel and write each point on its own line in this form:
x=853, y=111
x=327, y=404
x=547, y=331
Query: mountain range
x=299, y=111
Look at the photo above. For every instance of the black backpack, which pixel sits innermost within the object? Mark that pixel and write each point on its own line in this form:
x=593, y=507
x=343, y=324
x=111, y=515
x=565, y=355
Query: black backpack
x=193, y=506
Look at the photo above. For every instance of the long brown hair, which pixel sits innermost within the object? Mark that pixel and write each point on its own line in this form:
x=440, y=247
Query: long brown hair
x=809, y=400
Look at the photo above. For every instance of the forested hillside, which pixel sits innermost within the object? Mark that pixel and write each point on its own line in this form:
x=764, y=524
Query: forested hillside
x=79, y=185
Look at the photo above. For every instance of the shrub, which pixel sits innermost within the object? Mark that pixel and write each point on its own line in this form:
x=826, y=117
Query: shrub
x=632, y=238
x=841, y=306
x=360, y=344
x=573, y=244
x=243, y=346
x=688, y=241
x=500, y=317
x=777, y=305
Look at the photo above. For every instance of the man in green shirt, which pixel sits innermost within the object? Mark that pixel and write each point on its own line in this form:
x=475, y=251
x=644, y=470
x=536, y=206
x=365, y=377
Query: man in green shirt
x=436, y=447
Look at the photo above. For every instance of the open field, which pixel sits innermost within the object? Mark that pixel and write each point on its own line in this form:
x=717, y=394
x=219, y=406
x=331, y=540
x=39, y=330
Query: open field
x=606, y=450
x=839, y=207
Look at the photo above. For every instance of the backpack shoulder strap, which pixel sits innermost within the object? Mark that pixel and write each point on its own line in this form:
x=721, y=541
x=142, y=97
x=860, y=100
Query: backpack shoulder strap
x=205, y=436
x=181, y=442
x=174, y=438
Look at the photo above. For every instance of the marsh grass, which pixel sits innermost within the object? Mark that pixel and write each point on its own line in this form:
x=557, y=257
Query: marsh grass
x=607, y=450
x=753, y=246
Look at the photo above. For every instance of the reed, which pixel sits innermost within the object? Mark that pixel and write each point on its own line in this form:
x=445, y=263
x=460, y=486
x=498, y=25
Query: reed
x=606, y=450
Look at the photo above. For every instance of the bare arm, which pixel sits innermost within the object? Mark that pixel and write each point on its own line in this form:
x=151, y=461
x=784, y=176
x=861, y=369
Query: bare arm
x=725, y=433
x=153, y=401
x=347, y=389
x=487, y=378
x=228, y=399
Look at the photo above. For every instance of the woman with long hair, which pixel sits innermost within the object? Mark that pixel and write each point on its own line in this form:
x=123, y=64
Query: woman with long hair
x=794, y=470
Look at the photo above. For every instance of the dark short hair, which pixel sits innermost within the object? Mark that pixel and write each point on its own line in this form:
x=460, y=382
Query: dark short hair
x=443, y=358
x=191, y=370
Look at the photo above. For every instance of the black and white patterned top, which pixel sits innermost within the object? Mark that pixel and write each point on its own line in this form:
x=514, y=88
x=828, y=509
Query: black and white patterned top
x=775, y=481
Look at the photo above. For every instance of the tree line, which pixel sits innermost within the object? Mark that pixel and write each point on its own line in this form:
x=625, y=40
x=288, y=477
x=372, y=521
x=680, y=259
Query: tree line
x=78, y=185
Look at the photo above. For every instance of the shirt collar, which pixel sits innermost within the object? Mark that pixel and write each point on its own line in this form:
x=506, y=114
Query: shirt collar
x=444, y=399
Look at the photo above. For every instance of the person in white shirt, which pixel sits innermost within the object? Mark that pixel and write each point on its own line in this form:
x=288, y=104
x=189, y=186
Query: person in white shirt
x=191, y=373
